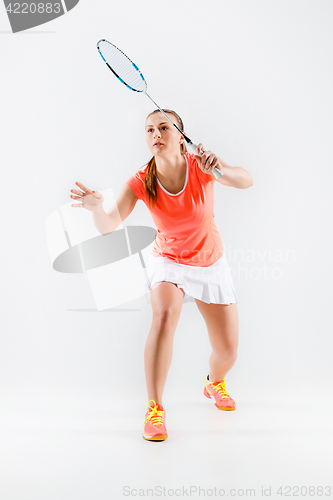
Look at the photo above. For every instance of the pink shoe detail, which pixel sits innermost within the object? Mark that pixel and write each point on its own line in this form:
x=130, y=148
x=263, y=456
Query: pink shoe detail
x=218, y=391
x=154, y=425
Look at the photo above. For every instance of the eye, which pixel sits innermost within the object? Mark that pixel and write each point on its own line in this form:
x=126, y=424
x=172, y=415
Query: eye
x=164, y=127
x=149, y=130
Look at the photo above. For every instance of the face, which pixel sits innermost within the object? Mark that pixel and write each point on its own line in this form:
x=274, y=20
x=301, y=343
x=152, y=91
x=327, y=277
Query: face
x=161, y=136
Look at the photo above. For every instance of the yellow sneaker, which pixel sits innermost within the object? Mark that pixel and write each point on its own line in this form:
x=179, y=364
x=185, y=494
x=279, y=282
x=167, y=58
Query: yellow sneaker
x=218, y=391
x=154, y=425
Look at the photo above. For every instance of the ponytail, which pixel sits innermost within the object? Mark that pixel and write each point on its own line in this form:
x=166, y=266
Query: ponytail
x=151, y=178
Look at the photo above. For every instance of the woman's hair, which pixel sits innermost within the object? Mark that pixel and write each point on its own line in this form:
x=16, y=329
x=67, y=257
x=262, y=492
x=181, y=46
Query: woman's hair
x=150, y=177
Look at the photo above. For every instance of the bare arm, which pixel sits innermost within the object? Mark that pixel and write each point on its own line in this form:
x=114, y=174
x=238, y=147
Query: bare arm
x=107, y=222
x=236, y=177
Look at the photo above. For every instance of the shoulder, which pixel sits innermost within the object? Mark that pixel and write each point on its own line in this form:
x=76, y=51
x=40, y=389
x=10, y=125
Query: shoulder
x=192, y=163
x=137, y=182
x=191, y=158
x=201, y=176
x=140, y=174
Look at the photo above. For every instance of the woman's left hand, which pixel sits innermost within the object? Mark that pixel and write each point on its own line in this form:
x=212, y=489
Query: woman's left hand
x=208, y=161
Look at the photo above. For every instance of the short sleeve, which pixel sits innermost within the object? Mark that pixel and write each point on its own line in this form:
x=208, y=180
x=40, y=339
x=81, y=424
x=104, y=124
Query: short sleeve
x=136, y=183
x=203, y=178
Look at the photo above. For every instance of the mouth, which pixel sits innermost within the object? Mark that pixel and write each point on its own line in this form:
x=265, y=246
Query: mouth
x=158, y=144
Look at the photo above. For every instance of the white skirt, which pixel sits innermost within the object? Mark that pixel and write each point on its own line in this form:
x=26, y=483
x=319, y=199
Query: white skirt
x=212, y=284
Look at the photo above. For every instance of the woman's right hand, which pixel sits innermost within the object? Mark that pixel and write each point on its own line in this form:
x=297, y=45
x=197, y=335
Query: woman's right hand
x=91, y=200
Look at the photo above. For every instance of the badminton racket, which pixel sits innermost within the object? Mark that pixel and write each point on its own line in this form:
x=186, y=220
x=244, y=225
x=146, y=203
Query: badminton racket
x=129, y=74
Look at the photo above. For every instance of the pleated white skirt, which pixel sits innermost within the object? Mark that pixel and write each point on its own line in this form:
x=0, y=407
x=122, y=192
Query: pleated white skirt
x=212, y=284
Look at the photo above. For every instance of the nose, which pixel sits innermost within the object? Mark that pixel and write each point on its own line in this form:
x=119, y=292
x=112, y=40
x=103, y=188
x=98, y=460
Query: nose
x=157, y=134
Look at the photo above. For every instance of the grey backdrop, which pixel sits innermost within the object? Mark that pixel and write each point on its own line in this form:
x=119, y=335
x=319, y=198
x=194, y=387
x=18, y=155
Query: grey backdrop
x=252, y=82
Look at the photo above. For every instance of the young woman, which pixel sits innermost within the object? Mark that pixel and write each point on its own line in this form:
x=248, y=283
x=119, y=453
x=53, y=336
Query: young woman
x=187, y=262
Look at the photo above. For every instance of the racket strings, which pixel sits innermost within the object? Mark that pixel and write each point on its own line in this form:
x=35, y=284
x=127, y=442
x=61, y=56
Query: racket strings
x=122, y=66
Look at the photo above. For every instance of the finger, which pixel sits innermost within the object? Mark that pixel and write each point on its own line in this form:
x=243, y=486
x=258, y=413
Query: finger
x=210, y=165
x=198, y=158
x=199, y=149
x=205, y=160
x=77, y=205
x=216, y=161
x=75, y=191
x=212, y=160
x=207, y=154
x=76, y=197
x=83, y=187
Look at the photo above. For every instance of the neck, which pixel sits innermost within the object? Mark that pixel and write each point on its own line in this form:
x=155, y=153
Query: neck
x=171, y=166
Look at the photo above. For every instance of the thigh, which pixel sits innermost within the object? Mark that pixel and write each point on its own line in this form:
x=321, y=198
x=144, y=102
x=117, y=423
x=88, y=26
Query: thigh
x=166, y=299
x=222, y=324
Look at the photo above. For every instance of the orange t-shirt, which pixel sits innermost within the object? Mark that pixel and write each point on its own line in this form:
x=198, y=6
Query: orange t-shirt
x=186, y=229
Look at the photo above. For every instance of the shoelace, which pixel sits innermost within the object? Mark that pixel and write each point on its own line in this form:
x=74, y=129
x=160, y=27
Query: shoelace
x=221, y=388
x=155, y=415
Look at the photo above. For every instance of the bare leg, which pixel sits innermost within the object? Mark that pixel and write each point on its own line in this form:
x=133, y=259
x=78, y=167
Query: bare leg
x=222, y=325
x=219, y=367
x=167, y=301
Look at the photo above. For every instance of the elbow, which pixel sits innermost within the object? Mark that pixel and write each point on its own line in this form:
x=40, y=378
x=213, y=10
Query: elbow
x=246, y=185
x=250, y=182
x=246, y=180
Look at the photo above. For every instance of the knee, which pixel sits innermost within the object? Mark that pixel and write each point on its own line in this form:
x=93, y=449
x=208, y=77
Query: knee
x=164, y=318
x=229, y=353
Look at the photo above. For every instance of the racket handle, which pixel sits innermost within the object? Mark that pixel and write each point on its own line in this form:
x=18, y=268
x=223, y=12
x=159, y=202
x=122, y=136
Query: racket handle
x=192, y=148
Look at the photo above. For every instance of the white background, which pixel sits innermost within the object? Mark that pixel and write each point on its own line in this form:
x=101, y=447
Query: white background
x=252, y=81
